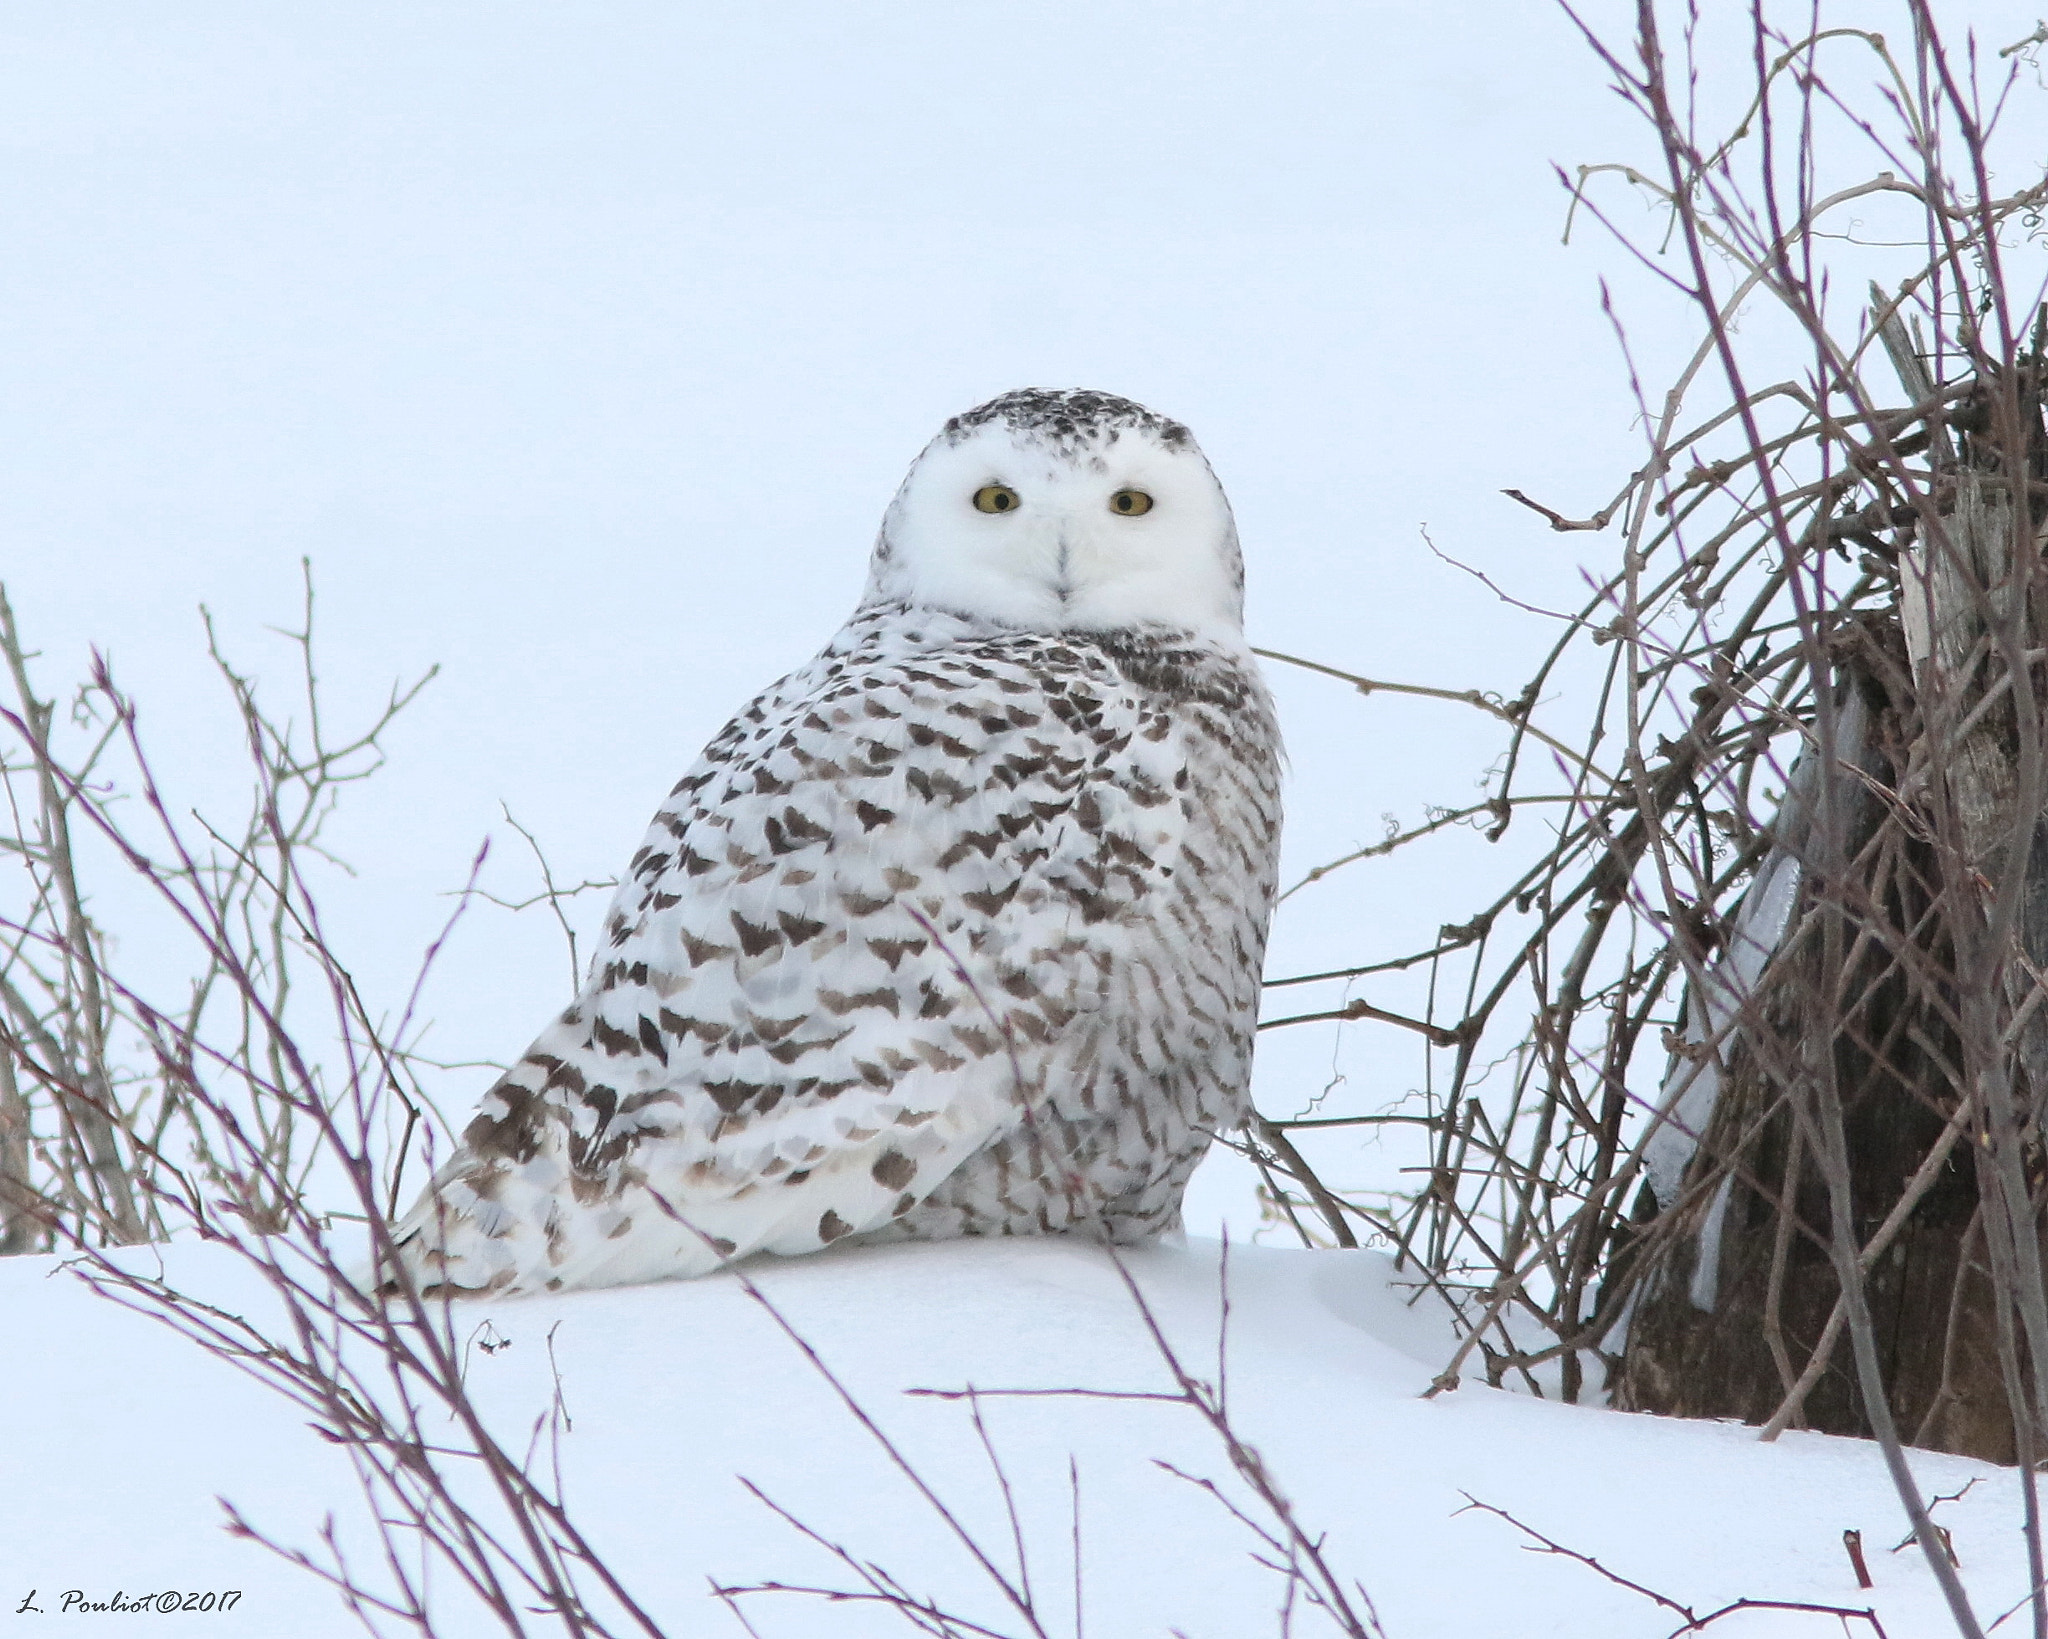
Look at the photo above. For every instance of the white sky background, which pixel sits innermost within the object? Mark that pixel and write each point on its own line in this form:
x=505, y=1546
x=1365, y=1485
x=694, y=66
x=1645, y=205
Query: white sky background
x=581, y=346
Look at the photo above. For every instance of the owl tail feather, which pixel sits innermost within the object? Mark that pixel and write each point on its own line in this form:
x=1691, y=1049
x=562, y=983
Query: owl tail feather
x=485, y=1229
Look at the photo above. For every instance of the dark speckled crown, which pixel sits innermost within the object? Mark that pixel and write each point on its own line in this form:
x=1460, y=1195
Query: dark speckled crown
x=1068, y=416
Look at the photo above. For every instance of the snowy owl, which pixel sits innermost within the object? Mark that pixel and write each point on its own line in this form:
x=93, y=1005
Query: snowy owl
x=957, y=930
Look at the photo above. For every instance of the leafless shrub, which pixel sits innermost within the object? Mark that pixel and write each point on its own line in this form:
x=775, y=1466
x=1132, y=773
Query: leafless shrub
x=1700, y=1078
x=88, y=1127
x=1736, y=1090
x=1694, y=1621
x=135, y=1119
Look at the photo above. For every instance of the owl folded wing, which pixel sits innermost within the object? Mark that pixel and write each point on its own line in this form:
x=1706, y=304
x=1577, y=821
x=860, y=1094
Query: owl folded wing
x=833, y=971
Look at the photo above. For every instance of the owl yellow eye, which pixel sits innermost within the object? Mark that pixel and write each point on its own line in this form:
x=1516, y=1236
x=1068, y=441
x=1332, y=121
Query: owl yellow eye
x=1130, y=503
x=999, y=498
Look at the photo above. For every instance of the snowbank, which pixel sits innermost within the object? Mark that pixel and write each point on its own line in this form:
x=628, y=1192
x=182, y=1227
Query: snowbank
x=116, y=1437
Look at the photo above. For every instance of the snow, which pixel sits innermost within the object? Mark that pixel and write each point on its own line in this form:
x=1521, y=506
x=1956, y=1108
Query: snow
x=674, y=1391
x=580, y=349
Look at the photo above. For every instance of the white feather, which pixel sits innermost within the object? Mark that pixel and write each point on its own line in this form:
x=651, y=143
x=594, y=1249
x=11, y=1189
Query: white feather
x=957, y=929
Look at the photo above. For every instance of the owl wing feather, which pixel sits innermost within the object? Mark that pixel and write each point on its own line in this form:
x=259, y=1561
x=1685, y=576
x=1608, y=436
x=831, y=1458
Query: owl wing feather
x=830, y=968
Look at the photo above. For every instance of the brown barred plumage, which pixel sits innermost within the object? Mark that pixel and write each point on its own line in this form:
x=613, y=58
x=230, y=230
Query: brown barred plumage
x=956, y=930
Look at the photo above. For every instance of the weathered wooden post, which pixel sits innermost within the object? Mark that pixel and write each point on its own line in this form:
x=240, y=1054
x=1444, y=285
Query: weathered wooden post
x=1887, y=958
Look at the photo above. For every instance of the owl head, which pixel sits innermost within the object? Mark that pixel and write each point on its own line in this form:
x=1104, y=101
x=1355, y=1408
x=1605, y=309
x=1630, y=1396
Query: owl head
x=1064, y=511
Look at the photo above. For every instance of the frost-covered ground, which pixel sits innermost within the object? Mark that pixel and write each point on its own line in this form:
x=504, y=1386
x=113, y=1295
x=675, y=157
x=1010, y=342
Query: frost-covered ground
x=675, y=1391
